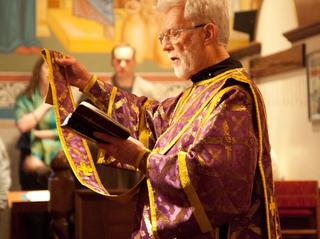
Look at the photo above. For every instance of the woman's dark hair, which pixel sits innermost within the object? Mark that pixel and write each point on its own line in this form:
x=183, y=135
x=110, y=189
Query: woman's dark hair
x=35, y=78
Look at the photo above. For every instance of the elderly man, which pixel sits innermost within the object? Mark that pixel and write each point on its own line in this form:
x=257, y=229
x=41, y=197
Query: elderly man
x=205, y=153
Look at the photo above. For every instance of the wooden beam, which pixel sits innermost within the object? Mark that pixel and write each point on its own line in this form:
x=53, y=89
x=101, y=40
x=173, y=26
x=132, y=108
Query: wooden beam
x=303, y=32
x=14, y=77
x=299, y=231
x=284, y=61
x=307, y=11
x=254, y=48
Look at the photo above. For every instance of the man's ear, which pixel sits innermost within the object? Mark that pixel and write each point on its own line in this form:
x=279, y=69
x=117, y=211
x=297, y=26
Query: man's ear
x=113, y=62
x=210, y=32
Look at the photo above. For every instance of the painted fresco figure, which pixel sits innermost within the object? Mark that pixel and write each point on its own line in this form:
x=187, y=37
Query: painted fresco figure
x=18, y=27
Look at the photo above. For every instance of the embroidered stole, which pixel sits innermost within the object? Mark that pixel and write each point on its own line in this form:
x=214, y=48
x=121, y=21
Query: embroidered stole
x=75, y=147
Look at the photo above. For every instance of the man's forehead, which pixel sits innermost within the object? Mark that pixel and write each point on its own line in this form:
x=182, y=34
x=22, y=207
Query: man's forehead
x=123, y=52
x=173, y=17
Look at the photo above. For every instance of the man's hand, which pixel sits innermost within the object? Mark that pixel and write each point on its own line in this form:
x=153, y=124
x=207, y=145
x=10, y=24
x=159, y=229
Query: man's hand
x=78, y=75
x=126, y=151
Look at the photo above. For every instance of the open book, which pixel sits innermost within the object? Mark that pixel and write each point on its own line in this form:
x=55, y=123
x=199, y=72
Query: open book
x=87, y=119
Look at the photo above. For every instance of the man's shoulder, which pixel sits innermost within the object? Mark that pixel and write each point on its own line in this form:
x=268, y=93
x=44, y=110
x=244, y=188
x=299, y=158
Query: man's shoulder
x=160, y=90
x=142, y=83
x=140, y=79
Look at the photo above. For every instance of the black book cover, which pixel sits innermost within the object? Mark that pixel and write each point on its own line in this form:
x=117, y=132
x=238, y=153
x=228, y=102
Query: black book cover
x=87, y=119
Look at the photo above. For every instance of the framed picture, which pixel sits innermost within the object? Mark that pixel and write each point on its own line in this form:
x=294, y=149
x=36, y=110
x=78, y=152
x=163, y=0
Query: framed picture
x=313, y=74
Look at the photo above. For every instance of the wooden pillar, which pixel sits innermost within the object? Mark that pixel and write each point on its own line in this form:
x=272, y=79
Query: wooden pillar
x=61, y=187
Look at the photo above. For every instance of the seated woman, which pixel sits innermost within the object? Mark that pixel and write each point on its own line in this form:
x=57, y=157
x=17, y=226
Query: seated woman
x=39, y=141
x=38, y=144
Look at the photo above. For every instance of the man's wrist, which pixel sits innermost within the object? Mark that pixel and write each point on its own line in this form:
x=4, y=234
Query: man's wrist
x=88, y=83
x=141, y=161
x=36, y=118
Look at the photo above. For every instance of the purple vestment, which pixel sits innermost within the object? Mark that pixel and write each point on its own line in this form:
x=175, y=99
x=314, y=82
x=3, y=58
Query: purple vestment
x=209, y=166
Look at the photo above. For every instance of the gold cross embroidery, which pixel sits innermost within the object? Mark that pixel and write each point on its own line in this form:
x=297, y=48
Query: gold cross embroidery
x=272, y=206
x=101, y=154
x=238, y=122
x=85, y=169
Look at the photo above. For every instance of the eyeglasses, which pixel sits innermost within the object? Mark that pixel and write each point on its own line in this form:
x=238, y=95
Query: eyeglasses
x=174, y=33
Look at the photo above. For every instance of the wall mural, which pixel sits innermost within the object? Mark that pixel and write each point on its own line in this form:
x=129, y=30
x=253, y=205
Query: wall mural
x=313, y=72
x=88, y=29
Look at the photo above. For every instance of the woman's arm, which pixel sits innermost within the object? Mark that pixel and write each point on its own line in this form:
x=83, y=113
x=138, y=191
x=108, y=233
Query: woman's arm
x=45, y=134
x=28, y=121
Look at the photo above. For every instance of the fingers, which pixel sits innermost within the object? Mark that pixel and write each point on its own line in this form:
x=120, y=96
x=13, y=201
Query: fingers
x=105, y=137
x=108, y=148
x=125, y=151
x=68, y=61
x=113, y=144
x=107, y=143
x=78, y=76
x=136, y=142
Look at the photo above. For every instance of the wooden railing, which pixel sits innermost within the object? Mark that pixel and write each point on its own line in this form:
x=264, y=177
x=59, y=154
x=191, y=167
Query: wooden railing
x=79, y=213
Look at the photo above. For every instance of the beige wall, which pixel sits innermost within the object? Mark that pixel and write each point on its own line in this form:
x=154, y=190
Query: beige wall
x=294, y=139
x=275, y=18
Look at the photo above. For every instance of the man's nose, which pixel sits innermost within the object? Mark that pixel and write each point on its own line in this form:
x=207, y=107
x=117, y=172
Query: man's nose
x=123, y=64
x=166, y=44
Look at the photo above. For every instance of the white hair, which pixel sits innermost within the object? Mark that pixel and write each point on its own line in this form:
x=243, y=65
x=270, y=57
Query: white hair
x=204, y=11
